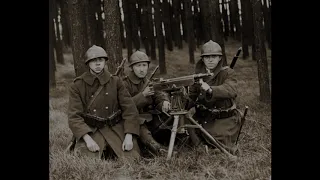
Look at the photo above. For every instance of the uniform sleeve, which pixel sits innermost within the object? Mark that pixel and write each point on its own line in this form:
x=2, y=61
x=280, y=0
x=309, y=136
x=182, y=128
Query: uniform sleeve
x=225, y=90
x=129, y=110
x=159, y=97
x=141, y=101
x=76, y=122
x=193, y=94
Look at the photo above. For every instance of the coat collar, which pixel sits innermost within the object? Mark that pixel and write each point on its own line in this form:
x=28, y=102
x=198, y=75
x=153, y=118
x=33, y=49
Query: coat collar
x=134, y=79
x=103, y=78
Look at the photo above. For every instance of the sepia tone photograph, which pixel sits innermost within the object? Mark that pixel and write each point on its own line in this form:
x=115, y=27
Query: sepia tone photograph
x=160, y=89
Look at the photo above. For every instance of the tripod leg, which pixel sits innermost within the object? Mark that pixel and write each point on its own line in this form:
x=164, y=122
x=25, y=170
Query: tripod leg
x=211, y=138
x=173, y=135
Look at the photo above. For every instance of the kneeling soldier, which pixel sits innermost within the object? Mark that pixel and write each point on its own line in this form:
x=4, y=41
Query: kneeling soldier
x=100, y=94
x=146, y=99
x=214, y=98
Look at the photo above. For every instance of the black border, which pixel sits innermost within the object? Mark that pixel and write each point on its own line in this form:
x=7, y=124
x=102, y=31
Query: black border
x=294, y=81
x=25, y=88
x=25, y=128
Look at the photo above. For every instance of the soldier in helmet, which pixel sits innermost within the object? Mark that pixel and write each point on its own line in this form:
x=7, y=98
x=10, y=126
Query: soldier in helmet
x=146, y=100
x=99, y=93
x=214, y=98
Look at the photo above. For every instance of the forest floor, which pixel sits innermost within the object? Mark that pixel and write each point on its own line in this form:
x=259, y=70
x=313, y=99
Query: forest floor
x=254, y=162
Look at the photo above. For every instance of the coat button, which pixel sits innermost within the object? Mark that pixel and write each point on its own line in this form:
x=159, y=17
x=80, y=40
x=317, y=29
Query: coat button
x=94, y=110
x=107, y=107
x=205, y=122
x=92, y=96
x=107, y=93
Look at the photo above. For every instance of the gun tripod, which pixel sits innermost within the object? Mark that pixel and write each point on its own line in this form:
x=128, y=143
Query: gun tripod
x=177, y=110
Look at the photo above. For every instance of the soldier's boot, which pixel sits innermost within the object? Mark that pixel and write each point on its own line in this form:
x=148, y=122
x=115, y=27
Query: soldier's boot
x=155, y=147
x=195, y=140
x=151, y=144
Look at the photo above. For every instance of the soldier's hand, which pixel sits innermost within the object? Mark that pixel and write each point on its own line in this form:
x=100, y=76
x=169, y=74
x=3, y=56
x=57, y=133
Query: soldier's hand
x=91, y=144
x=127, y=144
x=204, y=85
x=148, y=91
x=166, y=106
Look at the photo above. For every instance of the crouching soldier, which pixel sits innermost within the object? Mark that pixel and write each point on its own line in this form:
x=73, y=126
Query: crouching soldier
x=214, y=99
x=99, y=93
x=146, y=100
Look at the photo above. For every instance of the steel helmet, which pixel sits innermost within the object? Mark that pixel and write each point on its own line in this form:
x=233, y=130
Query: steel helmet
x=211, y=48
x=137, y=57
x=95, y=52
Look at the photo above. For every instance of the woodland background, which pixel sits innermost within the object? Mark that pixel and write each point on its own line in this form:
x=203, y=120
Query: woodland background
x=171, y=32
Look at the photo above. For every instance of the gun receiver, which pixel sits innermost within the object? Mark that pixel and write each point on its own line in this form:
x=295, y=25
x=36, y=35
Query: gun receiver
x=176, y=83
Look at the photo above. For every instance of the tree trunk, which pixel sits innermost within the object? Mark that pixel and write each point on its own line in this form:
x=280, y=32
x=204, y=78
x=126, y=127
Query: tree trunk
x=206, y=24
x=225, y=20
x=152, y=40
x=127, y=23
x=234, y=8
x=176, y=4
x=134, y=24
x=231, y=15
x=144, y=30
x=196, y=24
x=123, y=40
x=100, y=29
x=250, y=18
x=160, y=38
x=79, y=41
x=245, y=31
x=52, y=79
x=267, y=23
x=263, y=73
x=216, y=34
x=183, y=21
x=190, y=32
x=59, y=52
x=65, y=22
x=167, y=23
x=93, y=6
x=113, y=39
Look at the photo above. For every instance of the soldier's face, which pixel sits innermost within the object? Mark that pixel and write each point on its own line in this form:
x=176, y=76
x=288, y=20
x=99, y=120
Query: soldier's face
x=97, y=64
x=140, y=69
x=211, y=61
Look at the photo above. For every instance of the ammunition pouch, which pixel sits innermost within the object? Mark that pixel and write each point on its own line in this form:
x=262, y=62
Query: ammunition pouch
x=101, y=124
x=216, y=113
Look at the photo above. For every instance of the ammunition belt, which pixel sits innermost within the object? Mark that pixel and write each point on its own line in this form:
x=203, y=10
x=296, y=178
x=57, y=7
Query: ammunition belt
x=101, y=124
x=216, y=113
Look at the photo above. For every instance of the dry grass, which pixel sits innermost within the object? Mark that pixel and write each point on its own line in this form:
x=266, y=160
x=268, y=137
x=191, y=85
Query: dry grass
x=255, y=141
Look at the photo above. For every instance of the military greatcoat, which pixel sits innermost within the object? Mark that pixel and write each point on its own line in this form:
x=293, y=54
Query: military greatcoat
x=112, y=97
x=223, y=84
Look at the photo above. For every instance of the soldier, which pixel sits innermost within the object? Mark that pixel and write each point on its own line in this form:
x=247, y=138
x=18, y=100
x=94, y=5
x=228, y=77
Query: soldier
x=146, y=99
x=214, y=98
x=99, y=93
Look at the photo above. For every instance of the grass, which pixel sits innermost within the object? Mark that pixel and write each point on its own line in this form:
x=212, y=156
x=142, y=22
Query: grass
x=253, y=163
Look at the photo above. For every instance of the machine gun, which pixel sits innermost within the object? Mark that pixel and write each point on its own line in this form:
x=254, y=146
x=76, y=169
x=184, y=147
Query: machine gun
x=176, y=88
x=174, y=84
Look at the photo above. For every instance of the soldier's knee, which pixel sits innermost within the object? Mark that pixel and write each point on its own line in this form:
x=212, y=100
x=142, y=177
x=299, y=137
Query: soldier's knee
x=82, y=150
